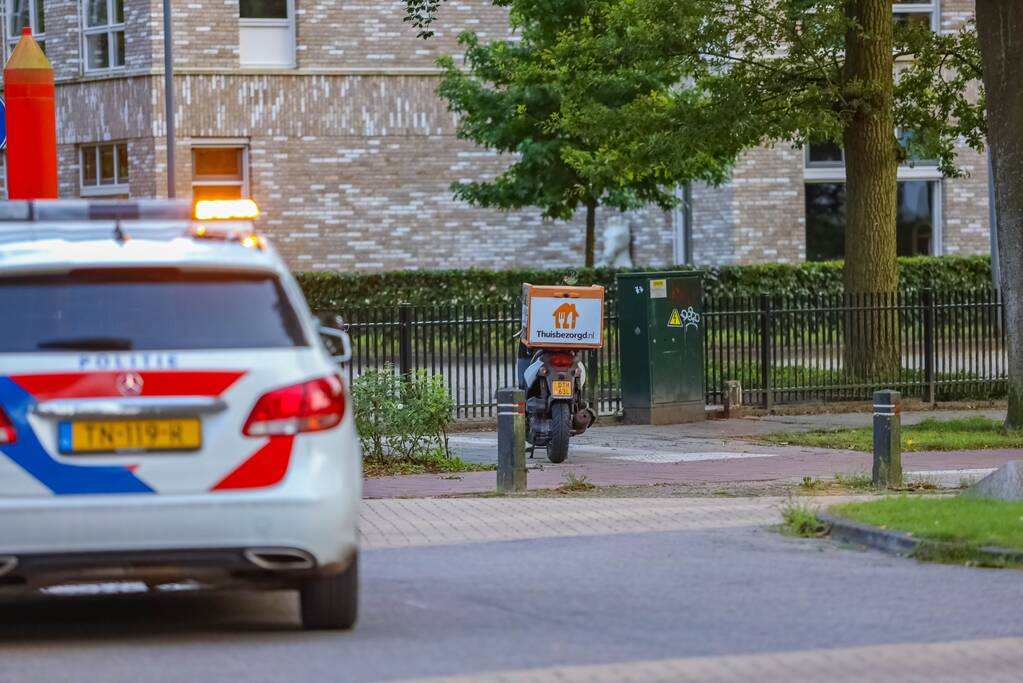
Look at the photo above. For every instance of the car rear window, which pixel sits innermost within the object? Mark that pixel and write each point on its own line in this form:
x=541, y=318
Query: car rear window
x=146, y=309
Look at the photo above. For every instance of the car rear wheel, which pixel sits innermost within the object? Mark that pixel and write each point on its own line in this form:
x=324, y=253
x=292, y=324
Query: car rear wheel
x=331, y=602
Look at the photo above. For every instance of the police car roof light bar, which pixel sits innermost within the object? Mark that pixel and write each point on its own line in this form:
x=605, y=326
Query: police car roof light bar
x=95, y=210
x=77, y=220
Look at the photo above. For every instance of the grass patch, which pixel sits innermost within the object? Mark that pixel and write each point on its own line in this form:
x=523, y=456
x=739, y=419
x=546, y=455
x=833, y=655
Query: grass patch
x=857, y=481
x=800, y=519
x=575, y=483
x=969, y=433
x=969, y=523
x=389, y=467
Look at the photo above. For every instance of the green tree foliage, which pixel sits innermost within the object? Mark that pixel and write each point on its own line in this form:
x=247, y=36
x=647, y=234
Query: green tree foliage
x=753, y=72
x=507, y=102
x=421, y=13
x=770, y=70
x=693, y=84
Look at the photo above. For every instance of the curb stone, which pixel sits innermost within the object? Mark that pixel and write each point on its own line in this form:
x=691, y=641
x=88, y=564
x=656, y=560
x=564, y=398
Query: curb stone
x=901, y=543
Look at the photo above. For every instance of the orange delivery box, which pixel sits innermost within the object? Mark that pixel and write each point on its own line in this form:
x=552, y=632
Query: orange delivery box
x=563, y=316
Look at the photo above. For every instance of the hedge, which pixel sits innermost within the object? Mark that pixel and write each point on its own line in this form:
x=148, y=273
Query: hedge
x=338, y=291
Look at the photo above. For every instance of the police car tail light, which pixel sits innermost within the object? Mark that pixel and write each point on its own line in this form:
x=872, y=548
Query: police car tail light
x=8, y=434
x=312, y=406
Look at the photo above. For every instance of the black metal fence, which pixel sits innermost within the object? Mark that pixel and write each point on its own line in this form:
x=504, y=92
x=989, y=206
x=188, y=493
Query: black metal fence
x=473, y=348
x=813, y=349
x=780, y=350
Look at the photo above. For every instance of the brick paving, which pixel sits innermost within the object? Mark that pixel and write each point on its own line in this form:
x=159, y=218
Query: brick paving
x=399, y=522
x=991, y=661
x=795, y=464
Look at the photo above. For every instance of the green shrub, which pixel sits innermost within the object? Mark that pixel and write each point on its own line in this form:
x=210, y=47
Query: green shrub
x=402, y=417
x=338, y=291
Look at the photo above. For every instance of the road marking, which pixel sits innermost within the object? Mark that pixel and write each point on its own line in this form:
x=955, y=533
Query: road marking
x=629, y=454
x=991, y=661
x=661, y=457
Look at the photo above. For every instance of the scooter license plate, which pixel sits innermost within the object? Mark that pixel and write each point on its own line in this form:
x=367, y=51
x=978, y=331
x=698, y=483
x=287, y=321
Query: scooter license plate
x=561, y=388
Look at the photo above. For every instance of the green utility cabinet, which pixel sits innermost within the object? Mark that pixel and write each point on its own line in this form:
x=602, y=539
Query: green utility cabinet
x=660, y=326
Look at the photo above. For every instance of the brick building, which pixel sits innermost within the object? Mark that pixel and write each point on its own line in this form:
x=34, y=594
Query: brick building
x=325, y=113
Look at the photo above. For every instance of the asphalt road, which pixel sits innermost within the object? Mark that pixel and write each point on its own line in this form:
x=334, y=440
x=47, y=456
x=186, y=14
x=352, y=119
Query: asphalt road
x=487, y=607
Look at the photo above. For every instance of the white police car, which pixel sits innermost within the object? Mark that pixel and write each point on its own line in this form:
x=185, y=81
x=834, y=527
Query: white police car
x=169, y=414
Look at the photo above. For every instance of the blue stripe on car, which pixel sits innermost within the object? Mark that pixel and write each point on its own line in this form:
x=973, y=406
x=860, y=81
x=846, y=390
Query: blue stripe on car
x=61, y=478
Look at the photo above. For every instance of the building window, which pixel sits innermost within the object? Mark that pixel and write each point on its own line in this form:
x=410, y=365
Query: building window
x=25, y=14
x=266, y=33
x=825, y=155
x=917, y=14
x=105, y=170
x=219, y=173
x=104, y=34
x=916, y=220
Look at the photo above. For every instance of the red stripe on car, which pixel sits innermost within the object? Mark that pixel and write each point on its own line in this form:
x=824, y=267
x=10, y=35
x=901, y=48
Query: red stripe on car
x=265, y=468
x=106, y=384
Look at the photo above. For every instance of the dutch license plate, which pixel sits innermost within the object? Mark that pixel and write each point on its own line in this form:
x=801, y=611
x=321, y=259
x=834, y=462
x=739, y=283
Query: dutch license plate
x=111, y=436
x=561, y=388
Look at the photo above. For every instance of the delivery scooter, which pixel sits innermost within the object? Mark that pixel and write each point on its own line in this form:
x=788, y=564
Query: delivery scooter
x=555, y=408
x=559, y=323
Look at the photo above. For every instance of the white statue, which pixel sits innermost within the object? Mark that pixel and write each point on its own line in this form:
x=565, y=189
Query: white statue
x=617, y=241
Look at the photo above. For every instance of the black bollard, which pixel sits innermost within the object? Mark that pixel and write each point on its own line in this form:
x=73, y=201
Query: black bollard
x=887, y=438
x=511, y=440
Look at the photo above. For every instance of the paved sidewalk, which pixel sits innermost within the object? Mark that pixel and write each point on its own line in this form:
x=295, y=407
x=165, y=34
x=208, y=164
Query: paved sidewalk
x=991, y=661
x=681, y=442
x=793, y=466
x=432, y=521
x=709, y=452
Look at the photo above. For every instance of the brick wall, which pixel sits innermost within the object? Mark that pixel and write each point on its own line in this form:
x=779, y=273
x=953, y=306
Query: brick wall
x=965, y=206
x=143, y=26
x=955, y=14
x=758, y=215
x=769, y=194
x=109, y=109
x=64, y=37
x=68, y=166
x=205, y=34
x=370, y=34
x=352, y=153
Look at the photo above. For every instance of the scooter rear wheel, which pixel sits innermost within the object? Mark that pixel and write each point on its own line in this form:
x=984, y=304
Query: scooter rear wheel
x=561, y=430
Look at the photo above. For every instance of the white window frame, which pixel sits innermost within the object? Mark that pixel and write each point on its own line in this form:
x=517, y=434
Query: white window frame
x=836, y=174
x=243, y=183
x=111, y=28
x=11, y=37
x=289, y=24
x=99, y=190
x=932, y=6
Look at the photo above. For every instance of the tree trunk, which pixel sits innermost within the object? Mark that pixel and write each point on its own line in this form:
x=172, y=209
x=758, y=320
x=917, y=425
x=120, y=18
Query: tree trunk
x=591, y=232
x=1000, y=27
x=871, y=163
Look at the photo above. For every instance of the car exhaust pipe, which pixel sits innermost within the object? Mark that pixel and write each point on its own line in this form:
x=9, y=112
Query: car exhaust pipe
x=8, y=563
x=280, y=559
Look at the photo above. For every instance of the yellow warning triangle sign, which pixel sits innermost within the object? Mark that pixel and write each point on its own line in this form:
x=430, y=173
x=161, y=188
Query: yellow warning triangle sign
x=675, y=320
